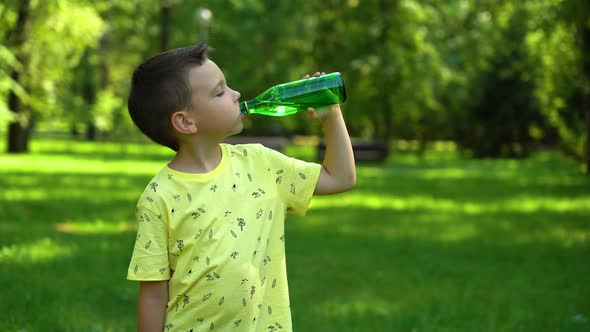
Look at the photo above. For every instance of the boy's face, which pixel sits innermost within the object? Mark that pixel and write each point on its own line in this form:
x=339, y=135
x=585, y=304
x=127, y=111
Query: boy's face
x=215, y=106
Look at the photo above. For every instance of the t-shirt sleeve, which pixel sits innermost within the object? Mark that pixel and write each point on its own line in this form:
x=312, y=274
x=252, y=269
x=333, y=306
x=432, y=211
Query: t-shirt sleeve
x=296, y=180
x=150, y=253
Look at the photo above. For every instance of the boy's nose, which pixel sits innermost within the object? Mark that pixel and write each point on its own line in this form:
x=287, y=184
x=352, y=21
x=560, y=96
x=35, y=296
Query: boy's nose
x=238, y=95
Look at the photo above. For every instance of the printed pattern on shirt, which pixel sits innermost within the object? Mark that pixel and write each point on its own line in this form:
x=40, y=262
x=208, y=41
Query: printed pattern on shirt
x=220, y=240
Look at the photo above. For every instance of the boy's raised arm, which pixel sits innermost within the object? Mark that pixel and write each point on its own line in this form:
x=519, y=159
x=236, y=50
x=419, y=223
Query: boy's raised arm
x=338, y=171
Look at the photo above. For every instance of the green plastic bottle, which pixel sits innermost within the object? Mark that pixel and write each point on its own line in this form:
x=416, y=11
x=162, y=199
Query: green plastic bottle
x=292, y=97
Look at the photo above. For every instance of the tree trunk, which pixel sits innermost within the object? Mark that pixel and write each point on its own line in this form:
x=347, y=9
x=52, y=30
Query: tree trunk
x=383, y=79
x=105, y=48
x=165, y=11
x=89, y=92
x=587, y=108
x=18, y=130
x=586, y=94
x=584, y=39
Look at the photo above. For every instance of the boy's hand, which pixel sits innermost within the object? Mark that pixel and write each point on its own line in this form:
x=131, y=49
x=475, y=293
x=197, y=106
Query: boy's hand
x=338, y=171
x=324, y=112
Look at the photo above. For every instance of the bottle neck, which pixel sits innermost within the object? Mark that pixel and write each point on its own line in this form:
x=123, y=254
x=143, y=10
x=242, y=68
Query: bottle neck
x=245, y=106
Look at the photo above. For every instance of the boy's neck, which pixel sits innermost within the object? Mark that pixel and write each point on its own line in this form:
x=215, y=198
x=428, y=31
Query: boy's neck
x=196, y=159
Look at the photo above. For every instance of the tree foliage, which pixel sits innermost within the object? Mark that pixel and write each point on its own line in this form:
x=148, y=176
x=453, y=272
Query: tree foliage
x=497, y=77
x=38, y=65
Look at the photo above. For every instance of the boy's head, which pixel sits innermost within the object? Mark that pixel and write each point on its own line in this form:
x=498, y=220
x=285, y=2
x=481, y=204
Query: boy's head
x=159, y=88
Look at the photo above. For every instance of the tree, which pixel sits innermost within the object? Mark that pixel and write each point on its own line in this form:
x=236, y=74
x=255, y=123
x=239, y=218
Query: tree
x=495, y=76
x=503, y=109
x=581, y=17
x=561, y=41
x=165, y=9
x=18, y=129
x=48, y=39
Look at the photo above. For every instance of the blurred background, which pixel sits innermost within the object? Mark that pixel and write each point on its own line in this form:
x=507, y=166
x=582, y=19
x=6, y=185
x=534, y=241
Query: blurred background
x=496, y=78
x=470, y=120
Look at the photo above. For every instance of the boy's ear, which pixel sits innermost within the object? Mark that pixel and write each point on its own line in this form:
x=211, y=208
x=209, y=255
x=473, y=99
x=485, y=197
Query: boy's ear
x=184, y=123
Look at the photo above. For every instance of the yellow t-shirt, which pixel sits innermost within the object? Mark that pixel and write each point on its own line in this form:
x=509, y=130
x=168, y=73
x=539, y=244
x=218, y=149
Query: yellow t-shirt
x=219, y=239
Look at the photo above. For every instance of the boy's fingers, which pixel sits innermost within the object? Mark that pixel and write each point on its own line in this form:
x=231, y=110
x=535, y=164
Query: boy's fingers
x=316, y=74
x=311, y=113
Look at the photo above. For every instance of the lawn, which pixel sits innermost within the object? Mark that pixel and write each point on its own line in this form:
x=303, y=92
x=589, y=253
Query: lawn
x=434, y=244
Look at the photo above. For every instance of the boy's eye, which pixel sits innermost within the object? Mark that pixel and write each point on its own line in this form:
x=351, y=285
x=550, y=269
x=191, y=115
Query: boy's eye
x=221, y=93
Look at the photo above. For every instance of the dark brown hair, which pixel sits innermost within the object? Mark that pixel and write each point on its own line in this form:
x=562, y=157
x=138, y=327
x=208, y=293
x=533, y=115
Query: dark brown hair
x=159, y=88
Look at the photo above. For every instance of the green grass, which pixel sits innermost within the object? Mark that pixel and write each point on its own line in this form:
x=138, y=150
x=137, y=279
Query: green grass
x=434, y=244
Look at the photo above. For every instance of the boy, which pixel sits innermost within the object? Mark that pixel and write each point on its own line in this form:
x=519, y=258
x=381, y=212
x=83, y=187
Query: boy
x=209, y=252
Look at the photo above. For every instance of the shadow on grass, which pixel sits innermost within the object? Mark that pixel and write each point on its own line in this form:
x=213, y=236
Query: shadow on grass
x=34, y=203
x=377, y=270
x=101, y=151
x=83, y=289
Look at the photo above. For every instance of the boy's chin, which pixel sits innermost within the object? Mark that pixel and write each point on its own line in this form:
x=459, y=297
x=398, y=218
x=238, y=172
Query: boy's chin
x=238, y=130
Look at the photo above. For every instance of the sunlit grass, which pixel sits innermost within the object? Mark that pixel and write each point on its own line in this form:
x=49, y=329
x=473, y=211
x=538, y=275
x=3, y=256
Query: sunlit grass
x=521, y=204
x=97, y=227
x=42, y=250
x=431, y=243
x=46, y=164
